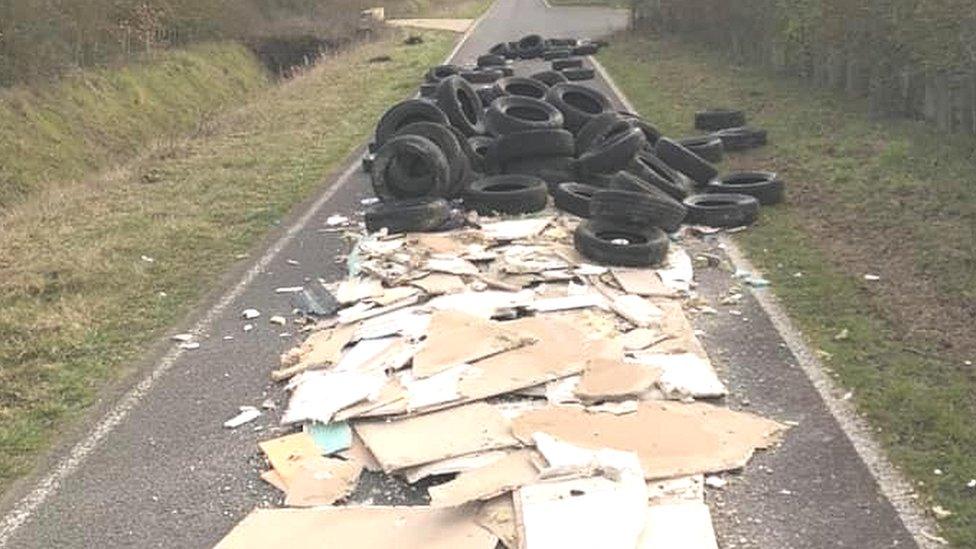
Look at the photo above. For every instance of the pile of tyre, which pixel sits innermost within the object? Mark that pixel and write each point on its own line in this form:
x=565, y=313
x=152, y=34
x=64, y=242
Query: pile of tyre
x=504, y=144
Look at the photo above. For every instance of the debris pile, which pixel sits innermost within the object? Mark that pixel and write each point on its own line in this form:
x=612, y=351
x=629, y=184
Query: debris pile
x=495, y=142
x=534, y=377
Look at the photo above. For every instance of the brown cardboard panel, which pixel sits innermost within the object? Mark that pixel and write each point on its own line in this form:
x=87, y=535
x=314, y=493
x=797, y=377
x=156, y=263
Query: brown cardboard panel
x=645, y=282
x=360, y=528
x=285, y=453
x=504, y=475
x=456, y=337
x=672, y=439
x=321, y=348
x=440, y=435
x=322, y=481
x=440, y=283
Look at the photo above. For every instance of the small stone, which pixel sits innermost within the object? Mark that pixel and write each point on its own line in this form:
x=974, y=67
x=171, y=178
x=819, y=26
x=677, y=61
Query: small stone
x=872, y=277
x=250, y=314
x=279, y=320
x=248, y=327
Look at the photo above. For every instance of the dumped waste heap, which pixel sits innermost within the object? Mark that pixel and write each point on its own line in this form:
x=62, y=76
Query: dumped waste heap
x=534, y=375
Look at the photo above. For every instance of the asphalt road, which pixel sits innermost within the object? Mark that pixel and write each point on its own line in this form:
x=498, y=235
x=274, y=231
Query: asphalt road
x=169, y=475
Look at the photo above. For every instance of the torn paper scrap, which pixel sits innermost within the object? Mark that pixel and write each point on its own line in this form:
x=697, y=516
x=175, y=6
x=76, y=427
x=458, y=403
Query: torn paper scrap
x=436, y=436
x=359, y=528
x=672, y=439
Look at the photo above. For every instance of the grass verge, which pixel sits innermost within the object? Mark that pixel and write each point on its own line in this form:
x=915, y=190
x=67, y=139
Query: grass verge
x=77, y=300
x=609, y=3
x=892, y=198
x=435, y=9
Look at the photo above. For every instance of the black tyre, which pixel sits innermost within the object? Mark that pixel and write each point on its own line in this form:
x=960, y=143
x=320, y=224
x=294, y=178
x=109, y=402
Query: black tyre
x=551, y=169
x=447, y=141
x=549, y=78
x=586, y=49
x=574, y=197
x=685, y=161
x=597, y=129
x=651, y=133
x=740, y=139
x=719, y=119
x=508, y=194
x=569, y=63
x=368, y=159
x=708, y=147
x=461, y=104
x=658, y=174
x=440, y=72
x=483, y=76
x=561, y=42
x=480, y=146
x=576, y=75
x=486, y=94
x=556, y=53
x=577, y=103
x=517, y=85
x=428, y=89
x=427, y=172
x=503, y=49
x=639, y=208
x=721, y=210
x=610, y=243
x=534, y=143
x=407, y=112
x=410, y=215
x=513, y=113
x=491, y=60
x=614, y=152
x=766, y=187
x=531, y=46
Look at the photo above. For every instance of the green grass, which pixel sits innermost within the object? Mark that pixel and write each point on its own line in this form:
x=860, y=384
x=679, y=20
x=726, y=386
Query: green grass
x=609, y=3
x=86, y=121
x=438, y=9
x=891, y=197
x=77, y=304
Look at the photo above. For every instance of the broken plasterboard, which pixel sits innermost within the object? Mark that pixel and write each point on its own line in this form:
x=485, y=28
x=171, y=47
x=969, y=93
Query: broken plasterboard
x=683, y=375
x=452, y=465
x=358, y=288
x=427, y=438
x=321, y=481
x=678, y=272
x=515, y=229
x=497, y=515
x=359, y=528
x=318, y=395
x=321, y=348
x=642, y=282
x=605, y=379
x=440, y=283
x=636, y=310
x=678, y=526
x=456, y=337
x=504, y=475
x=672, y=439
x=689, y=489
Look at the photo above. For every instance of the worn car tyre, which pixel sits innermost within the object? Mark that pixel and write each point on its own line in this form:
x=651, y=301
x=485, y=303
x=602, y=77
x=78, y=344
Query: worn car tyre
x=651, y=133
x=407, y=112
x=427, y=171
x=480, y=145
x=409, y=215
x=428, y=89
x=531, y=46
x=641, y=208
x=586, y=49
x=708, y=147
x=504, y=49
x=561, y=42
x=440, y=72
x=658, y=174
x=577, y=103
x=740, y=139
x=482, y=76
x=597, y=129
x=576, y=75
x=721, y=210
x=685, y=161
x=514, y=113
x=556, y=53
x=568, y=63
x=517, y=85
x=460, y=102
x=614, y=152
x=719, y=119
x=609, y=243
x=491, y=60
x=766, y=187
x=449, y=144
x=551, y=169
x=549, y=78
x=507, y=194
x=574, y=197
x=486, y=94
x=534, y=143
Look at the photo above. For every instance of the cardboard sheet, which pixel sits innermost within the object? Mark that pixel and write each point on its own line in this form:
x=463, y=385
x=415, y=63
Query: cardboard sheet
x=284, y=453
x=672, y=439
x=456, y=337
x=321, y=348
x=453, y=465
x=516, y=469
x=440, y=283
x=605, y=379
x=684, y=375
x=637, y=310
x=436, y=436
x=321, y=481
x=359, y=528
x=643, y=282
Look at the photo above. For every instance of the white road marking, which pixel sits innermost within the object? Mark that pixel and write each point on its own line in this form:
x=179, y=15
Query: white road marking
x=892, y=483
x=49, y=484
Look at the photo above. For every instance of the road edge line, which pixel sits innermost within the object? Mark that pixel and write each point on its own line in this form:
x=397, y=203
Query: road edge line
x=891, y=482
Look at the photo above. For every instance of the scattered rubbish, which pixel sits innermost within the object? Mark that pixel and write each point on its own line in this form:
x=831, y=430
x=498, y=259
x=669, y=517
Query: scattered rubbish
x=289, y=289
x=713, y=481
x=278, y=320
x=250, y=314
x=247, y=414
x=147, y=259
x=941, y=512
x=182, y=338
x=842, y=335
x=336, y=219
x=872, y=277
x=189, y=345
